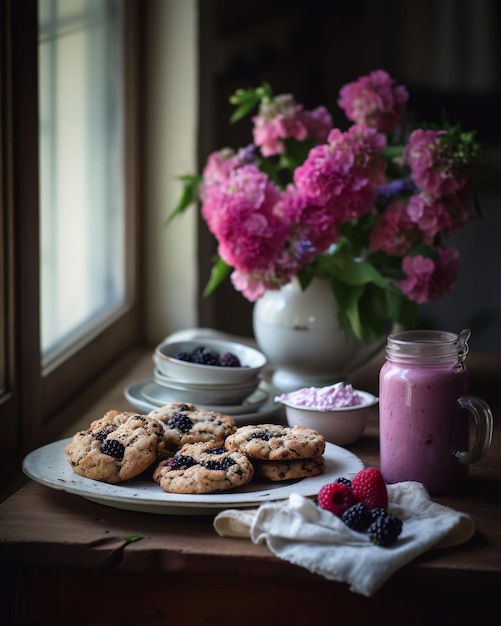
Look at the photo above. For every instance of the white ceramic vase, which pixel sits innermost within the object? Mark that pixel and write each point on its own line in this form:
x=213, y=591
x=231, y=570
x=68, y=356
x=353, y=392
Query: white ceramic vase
x=300, y=334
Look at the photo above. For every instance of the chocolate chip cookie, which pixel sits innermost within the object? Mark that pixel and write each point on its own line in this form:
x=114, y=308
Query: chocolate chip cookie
x=117, y=447
x=203, y=467
x=273, y=442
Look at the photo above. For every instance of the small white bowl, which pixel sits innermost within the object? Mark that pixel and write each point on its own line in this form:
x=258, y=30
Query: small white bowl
x=208, y=394
x=339, y=426
x=252, y=362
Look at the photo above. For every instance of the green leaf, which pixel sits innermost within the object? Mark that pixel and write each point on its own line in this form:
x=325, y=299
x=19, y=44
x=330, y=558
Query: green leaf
x=362, y=309
x=220, y=271
x=248, y=99
x=402, y=310
x=133, y=538
x=351, y=271
x=187, y=197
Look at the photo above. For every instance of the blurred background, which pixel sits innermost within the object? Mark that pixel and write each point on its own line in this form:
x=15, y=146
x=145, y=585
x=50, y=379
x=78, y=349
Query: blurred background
x=446, y=52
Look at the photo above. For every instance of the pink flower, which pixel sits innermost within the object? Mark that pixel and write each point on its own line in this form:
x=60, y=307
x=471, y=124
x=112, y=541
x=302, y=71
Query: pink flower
x=342, y=173
x=445, y=214
x=395, y=233
x=314, y=227
x=374, y=100
x=241, y=213
x=218, y=167
x=435, y=167
x=250, y=286
x=429, y=280
x=318, y=123
x=283, y=119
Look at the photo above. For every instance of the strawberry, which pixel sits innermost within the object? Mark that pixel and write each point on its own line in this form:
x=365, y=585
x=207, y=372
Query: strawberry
x=336, y=498
x=369, y=487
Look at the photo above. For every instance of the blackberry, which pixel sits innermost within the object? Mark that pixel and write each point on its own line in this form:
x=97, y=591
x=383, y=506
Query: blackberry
x=265, y=436
x=182, y=356
x=204, y=356
x=217, y=450
x=229, y=360
x=358, y=517
x=101, y=435
x=375, y=513
x=224, y=464
x=344, y=481
x=384, y=531
x=113, y=448
x=180, y=421
x=181, y=462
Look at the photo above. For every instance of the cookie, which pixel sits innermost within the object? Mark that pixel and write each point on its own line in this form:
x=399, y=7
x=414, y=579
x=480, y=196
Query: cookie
x=117, y=447
x=184, y=423
x=273, y=442
x=277, y=471
x=203, y=467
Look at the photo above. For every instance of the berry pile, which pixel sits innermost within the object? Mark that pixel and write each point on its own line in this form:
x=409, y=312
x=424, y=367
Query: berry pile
x=205, y=356
x=362, y=505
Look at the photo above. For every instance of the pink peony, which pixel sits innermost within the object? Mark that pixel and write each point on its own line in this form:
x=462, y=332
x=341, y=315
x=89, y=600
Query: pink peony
x=374, y=100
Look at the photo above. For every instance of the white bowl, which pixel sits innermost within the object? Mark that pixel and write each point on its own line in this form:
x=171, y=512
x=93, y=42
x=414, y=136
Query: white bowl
x=208, y=394
x=339, y=426
x=251, y=359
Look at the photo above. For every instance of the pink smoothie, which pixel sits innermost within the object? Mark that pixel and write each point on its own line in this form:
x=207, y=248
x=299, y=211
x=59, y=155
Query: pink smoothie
x=421, y=424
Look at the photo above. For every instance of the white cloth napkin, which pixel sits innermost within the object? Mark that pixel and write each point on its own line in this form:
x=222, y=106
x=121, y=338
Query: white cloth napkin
x=300, y=532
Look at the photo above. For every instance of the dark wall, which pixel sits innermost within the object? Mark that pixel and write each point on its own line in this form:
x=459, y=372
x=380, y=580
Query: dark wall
x=446, y=54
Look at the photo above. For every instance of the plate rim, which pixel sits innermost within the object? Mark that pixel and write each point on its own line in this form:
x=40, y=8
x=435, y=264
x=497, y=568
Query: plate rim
x=58, y=474
x=230, y=409
x=268, y=409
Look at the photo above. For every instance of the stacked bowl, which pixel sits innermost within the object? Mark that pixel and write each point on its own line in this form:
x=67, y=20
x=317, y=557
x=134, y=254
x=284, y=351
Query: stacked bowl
x=210, y=372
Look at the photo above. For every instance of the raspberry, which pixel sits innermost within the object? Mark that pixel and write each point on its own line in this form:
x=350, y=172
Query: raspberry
x=336, y=498
x=369, y=487
x=384, y=531
x=358, y=517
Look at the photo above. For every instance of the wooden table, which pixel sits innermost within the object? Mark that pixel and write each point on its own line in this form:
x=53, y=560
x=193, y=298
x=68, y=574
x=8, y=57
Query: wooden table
x=67, y=561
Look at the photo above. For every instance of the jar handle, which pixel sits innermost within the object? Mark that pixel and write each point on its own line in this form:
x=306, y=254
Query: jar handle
x=483, y=429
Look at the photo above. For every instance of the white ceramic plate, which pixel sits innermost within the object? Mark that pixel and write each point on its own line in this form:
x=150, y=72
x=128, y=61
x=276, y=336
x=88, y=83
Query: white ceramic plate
x=48, y=466
x=268, y=411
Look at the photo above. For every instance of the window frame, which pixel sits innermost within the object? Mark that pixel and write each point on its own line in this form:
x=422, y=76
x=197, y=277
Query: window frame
x=36, y=402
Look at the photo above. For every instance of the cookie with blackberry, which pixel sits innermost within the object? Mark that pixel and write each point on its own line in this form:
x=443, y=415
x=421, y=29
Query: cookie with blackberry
x=116, y=448
x=184, y=423
x=203, y=467
x=274, y=442
x=278, y=471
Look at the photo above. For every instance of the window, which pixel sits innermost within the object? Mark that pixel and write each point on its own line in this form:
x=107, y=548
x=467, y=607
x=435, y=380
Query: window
x=81, y=130
x=68, y=192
